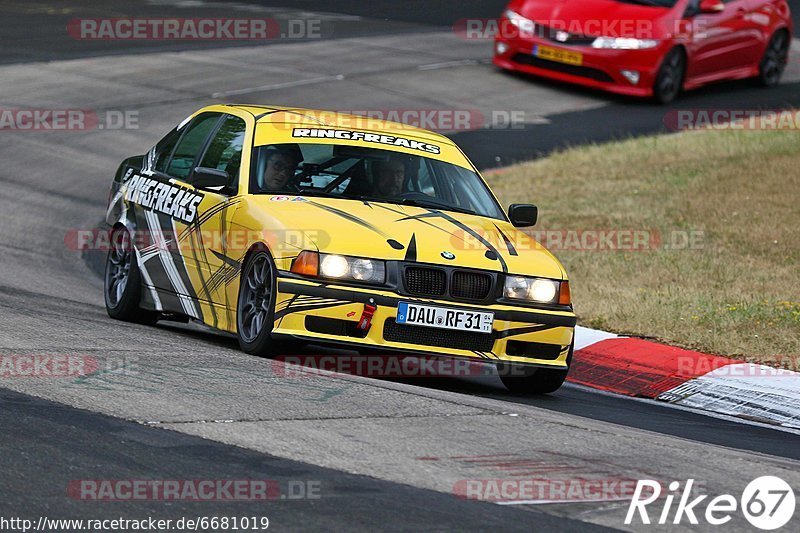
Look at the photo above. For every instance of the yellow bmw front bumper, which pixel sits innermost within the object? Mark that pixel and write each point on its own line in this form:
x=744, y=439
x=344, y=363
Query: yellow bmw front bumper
x=328, y=313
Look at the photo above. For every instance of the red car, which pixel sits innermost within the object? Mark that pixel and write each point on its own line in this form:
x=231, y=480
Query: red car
x=646, y=48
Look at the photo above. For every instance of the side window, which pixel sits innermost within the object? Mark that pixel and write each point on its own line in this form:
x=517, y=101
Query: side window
x=190, y=145
x=225, y=150
x=164, y=148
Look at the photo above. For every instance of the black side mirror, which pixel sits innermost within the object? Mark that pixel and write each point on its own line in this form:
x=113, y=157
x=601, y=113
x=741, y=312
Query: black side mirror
x=523, y=215
x=211, y=179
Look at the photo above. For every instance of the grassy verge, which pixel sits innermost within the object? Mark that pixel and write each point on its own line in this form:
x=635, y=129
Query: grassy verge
x=722, y=210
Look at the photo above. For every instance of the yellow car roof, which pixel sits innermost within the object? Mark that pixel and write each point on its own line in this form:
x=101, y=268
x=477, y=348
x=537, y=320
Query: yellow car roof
x=278, y=125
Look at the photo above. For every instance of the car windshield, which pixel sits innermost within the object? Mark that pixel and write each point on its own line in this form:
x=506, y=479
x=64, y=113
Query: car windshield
x=342, y=171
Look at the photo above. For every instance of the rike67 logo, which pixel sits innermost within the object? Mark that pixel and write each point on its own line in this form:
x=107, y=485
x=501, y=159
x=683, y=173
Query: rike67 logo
x=767, y=502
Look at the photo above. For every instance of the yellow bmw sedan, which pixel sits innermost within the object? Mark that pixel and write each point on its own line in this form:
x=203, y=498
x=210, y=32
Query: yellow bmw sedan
x=276, y=223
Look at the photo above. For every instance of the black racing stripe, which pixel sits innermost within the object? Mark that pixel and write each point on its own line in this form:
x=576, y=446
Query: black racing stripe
x=299, y=308
x=196, y=244
x=435, y=213
x=170, y=301
x=286, y=304
x=158, y=272
x=396, y=211
x=218, y=278
x=509, y=244
x=204, y=217
x=418, y=218
x=225, y=259
x=262, y=115
x=531, y=317
x=429, y=214
x=231, y=274
x=521, y=331
x=235, y=272
x=411, y=252
x=350, y=217
x=168, y=229
x=158, y=275
x=480, y=354
x=305, y=300
x=194, y=232
x=475, y=234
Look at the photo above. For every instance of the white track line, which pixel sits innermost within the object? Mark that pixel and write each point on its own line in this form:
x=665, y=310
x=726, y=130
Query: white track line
x=275, y=86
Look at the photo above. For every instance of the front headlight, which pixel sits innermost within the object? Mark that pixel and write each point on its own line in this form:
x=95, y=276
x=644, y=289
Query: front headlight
x=339, y=267
x=525, y=25
x=624, y=43
x=539, y=290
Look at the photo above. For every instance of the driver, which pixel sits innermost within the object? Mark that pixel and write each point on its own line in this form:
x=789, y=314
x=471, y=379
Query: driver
x=280, y=166
x=389, y=177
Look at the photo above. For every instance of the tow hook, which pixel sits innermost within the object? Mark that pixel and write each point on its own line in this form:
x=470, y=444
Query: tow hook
x=365, y=322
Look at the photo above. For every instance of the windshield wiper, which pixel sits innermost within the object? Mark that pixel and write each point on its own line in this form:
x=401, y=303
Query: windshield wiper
x=432, y=204
x=320, y=194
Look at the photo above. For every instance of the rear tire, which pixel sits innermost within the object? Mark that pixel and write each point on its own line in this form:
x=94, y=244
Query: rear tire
x=669, y=80
x=534, y=380
x=255, y=310
x=122, y=281
x=773, y=62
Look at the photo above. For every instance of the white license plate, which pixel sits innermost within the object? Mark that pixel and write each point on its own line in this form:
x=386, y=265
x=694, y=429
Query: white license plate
x=444, y=317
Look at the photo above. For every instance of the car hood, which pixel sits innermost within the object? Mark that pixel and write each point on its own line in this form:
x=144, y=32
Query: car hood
x=396, y=232
x=608, y=18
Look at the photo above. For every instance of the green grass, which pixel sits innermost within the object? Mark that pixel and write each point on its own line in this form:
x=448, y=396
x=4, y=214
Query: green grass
x=737, y=292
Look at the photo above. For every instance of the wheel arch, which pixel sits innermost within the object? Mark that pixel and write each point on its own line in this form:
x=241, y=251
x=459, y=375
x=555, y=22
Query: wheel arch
x=682, y=48
x=258, y=246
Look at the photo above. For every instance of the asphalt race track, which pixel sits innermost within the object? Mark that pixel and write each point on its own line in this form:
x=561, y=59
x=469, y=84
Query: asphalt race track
x=178, y=402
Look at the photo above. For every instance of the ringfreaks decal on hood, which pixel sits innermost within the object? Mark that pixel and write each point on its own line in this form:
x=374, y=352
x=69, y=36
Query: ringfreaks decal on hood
x=391, y=140
x=171, y=200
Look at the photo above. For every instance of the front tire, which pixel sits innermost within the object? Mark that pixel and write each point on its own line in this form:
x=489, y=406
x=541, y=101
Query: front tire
x=773, y=62
x=255, y=310
x=669, y=80
x=122, y=281
x=534, y=380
